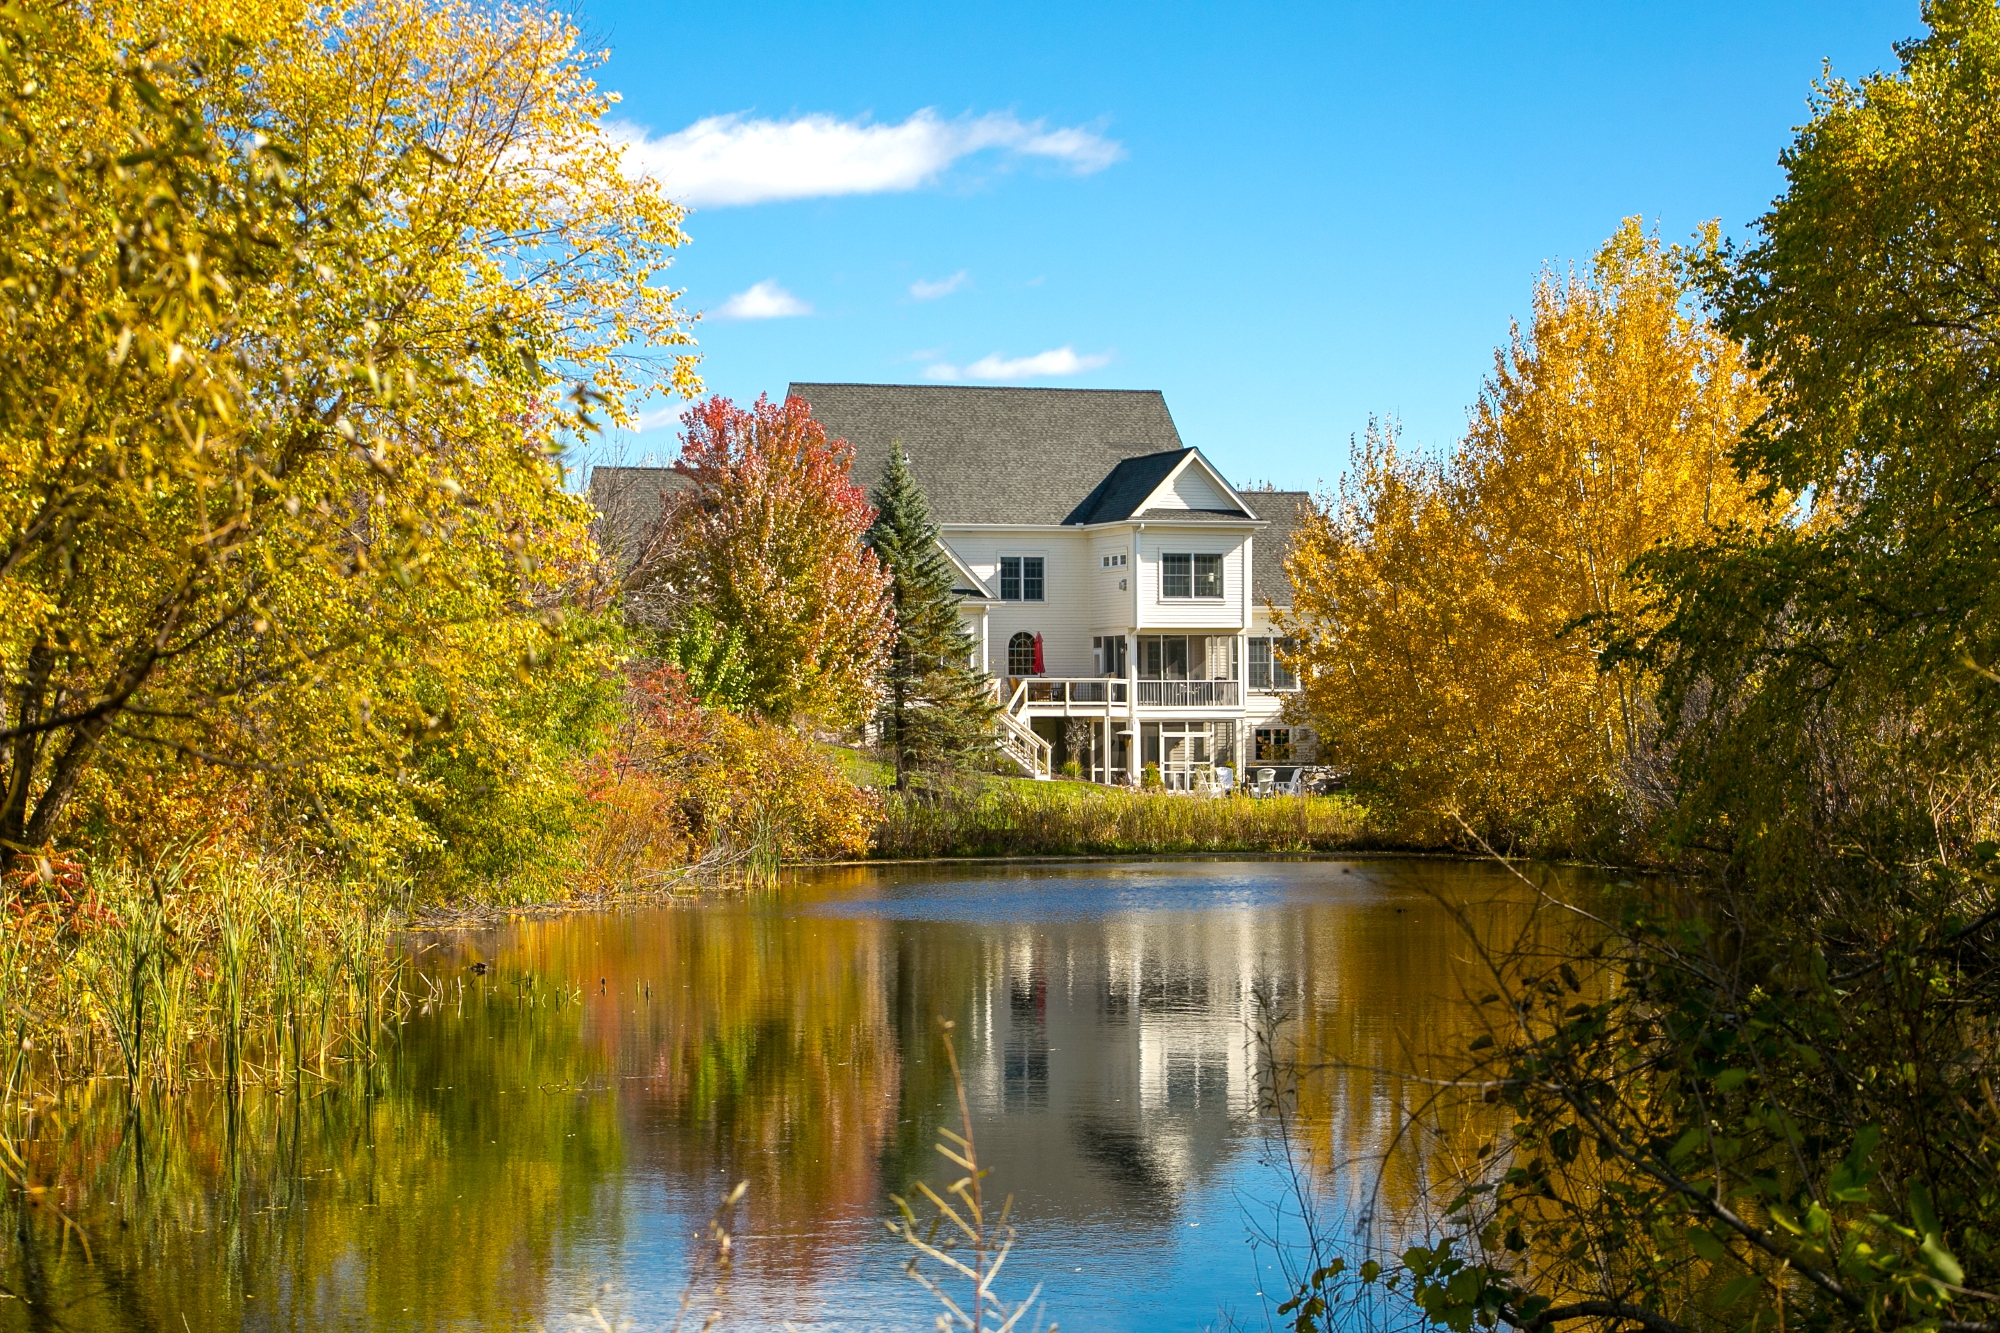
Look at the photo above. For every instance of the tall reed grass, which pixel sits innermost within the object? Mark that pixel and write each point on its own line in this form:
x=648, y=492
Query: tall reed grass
x=192, y=968
x=1080, y=819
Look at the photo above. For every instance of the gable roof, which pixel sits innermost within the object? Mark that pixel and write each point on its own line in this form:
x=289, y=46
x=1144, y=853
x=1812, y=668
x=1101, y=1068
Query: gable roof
x=1126, y=487
x=996, y=455
x=1126, y=491
x=966, y=583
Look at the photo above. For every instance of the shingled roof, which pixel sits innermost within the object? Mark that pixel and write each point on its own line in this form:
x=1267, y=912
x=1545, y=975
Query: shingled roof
x=996, y=455
x=1126, y=487
x=628, y=501
x=1040, y=456
x=1284, y=511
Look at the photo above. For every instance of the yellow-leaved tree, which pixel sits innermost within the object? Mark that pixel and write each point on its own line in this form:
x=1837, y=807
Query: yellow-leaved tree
x=302, y=303
x=1445, y=611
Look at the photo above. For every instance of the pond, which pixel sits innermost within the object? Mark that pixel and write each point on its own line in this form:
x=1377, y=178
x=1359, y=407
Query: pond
x=541, y=1142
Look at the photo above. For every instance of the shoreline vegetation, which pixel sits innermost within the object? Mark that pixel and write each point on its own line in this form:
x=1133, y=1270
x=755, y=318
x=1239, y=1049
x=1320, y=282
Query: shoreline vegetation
x=1079, y=819
x=239, y=969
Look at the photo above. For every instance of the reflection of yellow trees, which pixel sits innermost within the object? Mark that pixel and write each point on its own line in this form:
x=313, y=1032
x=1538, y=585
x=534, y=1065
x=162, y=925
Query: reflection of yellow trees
x=763, y=1038
x=741, y=1043
x=1386, y=1011
x=443, y=1185
x=754, y=1040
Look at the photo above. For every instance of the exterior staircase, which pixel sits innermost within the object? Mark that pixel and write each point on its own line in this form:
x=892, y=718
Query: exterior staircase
x=1018, y=741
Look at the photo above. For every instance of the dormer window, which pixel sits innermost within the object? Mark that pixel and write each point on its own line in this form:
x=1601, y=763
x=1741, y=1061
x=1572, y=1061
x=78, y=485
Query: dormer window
x=1195, y=577
x=1021, y=578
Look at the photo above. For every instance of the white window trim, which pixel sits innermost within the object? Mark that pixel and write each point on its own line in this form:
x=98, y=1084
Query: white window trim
x=1222, y=577
x=1000, y=584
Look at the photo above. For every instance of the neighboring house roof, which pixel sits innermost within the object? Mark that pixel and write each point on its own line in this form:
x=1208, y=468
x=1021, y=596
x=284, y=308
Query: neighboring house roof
x=995, y=455
x=1284, y=511
x=628, y=499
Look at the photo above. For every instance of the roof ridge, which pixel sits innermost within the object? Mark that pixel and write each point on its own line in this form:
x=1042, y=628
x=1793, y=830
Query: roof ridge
x=964, y=388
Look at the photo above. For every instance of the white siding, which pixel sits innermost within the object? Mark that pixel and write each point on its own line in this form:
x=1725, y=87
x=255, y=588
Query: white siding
x=1179, y=612
x=1191, y=488
x=1082, y=598
x=1262, y=621
x=1066, y=616
x=1111, y=607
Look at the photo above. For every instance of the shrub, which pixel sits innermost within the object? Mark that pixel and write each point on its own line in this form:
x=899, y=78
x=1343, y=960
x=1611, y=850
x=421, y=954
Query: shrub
x=680, y=786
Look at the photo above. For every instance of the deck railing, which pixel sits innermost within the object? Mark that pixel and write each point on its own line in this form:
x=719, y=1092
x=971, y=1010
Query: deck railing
x=1018, y=741
x=1189, y=693
x=1068, y=690
x=1045, y=691
x=1023, y=691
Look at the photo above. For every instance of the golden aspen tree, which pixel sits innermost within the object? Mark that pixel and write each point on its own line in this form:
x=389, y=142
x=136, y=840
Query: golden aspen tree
x=1446, y=612
x=294, y=299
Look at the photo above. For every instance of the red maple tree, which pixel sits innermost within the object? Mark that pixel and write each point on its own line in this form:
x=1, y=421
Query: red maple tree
x=769, y=537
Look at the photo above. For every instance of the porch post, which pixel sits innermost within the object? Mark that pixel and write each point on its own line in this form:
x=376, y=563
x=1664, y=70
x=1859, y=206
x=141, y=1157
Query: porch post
x=1132, y=708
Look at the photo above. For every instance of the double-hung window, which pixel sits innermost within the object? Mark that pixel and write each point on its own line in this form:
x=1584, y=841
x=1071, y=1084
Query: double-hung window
x=1267, y=666
x=1021, y=578
x=1208, y=576
x=1190, y=576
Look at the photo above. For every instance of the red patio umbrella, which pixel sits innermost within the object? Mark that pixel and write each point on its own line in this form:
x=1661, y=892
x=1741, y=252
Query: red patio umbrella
x=1038, y=654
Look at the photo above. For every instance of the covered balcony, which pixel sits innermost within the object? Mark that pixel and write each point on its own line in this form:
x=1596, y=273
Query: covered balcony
x=1189, y=671
x=1173, y=671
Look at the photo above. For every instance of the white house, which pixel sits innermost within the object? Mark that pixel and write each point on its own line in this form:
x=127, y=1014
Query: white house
x=1119, y=589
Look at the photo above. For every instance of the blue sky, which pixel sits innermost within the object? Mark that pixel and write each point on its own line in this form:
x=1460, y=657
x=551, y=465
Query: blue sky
x=1287, y=218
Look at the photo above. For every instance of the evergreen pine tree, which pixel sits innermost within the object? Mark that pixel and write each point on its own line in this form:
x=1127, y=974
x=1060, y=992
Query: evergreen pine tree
x=937, y=709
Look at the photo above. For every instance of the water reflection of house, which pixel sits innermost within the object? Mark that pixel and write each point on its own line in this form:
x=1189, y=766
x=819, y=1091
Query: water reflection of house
x=1118, y=1055
x=1119, y=589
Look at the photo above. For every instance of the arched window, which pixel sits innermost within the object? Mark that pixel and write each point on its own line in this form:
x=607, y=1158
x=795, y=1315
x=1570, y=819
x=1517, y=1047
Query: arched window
x=1021, y=654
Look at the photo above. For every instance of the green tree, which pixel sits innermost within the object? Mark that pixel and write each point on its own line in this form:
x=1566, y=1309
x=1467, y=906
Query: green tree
x=711, y=658
x=1828, y=679
x=937, y=708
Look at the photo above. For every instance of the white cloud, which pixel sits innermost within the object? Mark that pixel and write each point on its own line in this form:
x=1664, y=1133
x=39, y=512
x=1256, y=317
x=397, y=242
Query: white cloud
x=725, y=160
x=931, y=291
x=764, y=300
x=1051, y=364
